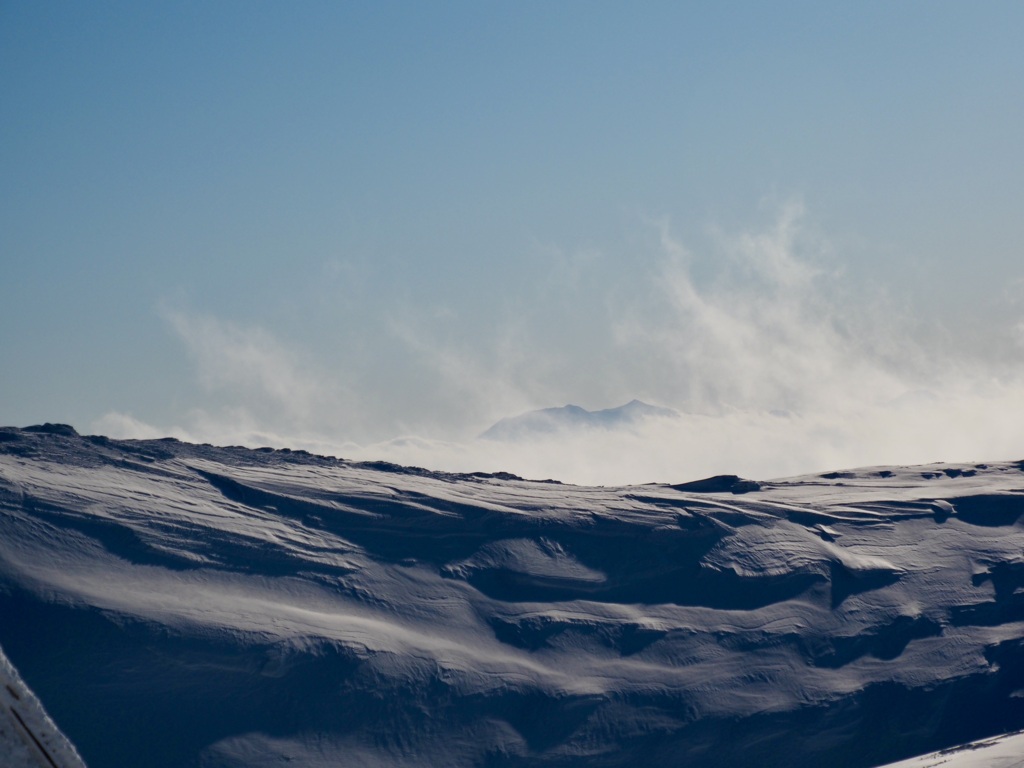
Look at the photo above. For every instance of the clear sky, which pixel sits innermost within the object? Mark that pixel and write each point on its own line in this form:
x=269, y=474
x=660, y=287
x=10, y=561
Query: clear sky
x=347, y=222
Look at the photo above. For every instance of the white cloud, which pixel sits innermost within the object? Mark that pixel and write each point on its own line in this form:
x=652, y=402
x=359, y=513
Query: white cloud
x=779, y=366
x=259, y=390
x=123, y=426
x=250, y=362
x=776, y=363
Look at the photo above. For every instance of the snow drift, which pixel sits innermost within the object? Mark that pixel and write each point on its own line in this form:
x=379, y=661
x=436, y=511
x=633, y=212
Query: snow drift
x=186, y=605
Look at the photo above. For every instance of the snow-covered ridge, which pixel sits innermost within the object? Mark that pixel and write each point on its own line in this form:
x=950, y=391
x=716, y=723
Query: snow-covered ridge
x=175, y=604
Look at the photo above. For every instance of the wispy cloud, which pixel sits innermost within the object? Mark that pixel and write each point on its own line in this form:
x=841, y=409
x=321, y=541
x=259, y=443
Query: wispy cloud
x=778, y=364
x=251, y=364
x=259, y=390
x=767, y=330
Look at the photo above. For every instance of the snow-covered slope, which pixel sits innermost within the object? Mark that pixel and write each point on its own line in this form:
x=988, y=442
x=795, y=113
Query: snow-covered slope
x=28, y=738
x=181, y=605
x=1004, y=751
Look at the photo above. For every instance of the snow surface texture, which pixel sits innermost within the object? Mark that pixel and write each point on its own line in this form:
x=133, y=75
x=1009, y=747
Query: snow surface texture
x=999, y=752
x=28, y=738
x=182, y=605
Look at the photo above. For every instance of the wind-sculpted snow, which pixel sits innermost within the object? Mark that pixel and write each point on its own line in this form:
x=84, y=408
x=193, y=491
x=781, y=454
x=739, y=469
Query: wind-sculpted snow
x=182, y=605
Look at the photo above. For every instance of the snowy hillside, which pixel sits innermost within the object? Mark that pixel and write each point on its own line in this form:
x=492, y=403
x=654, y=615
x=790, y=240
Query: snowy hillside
x=183, y=605
x=1005, y=751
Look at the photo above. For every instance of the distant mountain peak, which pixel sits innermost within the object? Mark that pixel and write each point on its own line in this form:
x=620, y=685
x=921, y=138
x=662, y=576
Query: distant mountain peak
x=548, y=421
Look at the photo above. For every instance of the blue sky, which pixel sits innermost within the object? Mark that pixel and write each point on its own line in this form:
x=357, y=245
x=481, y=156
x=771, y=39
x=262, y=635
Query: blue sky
x=418, y=218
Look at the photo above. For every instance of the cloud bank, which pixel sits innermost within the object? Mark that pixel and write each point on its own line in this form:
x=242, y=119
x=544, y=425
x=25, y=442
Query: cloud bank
x=777, y=362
